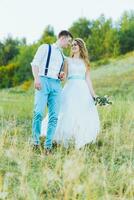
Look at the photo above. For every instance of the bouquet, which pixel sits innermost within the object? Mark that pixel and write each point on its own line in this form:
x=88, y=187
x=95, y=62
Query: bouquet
x=102, y=101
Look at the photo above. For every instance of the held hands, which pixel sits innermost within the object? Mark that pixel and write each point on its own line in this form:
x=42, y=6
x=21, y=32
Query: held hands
x=62, y=76
x=37, y=84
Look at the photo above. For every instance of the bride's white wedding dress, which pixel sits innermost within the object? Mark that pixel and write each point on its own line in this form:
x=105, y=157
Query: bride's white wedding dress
x=78, y=119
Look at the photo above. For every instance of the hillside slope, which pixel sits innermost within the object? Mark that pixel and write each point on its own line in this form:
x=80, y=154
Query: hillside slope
x=101, y=171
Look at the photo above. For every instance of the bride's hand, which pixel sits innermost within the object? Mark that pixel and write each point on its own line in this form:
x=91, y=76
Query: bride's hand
x=62, y=76
x=94, y=97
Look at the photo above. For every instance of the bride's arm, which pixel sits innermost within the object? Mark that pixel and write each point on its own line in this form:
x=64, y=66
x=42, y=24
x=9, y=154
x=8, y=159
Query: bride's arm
x=89, y=83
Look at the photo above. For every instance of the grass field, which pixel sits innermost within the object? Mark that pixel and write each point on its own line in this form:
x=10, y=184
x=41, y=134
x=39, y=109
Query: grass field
x=101, y=171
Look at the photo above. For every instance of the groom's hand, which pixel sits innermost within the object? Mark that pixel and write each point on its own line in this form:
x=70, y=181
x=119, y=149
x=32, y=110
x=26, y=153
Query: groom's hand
x=61, y=76
x=37, y=84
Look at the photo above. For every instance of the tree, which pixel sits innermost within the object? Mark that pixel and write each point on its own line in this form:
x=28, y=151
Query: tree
x=10, y=49
x=81, y=28
x=126, y=32
x=103, y=40
x=1, y=53
x=48, y=35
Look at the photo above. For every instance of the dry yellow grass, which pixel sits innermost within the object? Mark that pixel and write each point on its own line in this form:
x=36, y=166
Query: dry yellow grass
x=101, y=171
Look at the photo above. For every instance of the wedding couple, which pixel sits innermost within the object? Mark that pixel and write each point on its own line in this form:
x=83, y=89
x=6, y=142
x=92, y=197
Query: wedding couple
x=72, y=114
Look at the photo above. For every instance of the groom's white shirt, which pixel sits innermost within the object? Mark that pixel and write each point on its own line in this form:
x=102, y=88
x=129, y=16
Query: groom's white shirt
x=55, y=63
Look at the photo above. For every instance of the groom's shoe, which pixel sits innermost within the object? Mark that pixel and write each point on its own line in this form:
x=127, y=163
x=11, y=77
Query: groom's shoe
x=47, y=152
x=54, y=144
x=36, y=148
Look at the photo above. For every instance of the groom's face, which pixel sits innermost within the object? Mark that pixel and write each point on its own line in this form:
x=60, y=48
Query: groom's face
x=66, y=41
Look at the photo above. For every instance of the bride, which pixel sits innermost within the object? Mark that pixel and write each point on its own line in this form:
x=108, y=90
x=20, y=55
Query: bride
x=78, y=119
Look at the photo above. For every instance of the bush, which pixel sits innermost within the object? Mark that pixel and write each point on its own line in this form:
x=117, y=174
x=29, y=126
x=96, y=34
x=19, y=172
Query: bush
x=26, y=85
x=7, y=74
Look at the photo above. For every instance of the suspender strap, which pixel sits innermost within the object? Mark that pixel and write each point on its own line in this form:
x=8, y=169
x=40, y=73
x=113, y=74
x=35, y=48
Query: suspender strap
x=48, y=59
x=62, y=63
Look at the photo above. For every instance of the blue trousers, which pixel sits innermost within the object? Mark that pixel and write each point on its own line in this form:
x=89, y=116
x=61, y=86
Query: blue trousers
x=49, y=95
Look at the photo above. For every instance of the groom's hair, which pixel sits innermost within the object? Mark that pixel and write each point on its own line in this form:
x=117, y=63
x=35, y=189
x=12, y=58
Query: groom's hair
x=65, y=33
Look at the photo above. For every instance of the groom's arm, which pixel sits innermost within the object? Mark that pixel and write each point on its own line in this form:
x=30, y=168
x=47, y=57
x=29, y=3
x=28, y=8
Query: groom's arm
x=36, y=63
x=35, y=71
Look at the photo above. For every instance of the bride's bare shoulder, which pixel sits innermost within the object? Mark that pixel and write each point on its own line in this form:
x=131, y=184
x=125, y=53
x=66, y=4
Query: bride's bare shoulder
x=68, y=59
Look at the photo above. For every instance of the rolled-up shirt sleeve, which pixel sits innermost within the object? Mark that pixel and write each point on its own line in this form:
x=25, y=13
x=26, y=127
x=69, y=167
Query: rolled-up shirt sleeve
x=40, y=53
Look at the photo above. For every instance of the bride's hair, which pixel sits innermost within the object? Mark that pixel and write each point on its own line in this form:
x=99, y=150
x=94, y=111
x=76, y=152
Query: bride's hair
x=83, y=51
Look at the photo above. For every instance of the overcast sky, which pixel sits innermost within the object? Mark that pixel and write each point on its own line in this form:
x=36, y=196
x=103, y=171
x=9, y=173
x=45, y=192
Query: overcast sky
x=28, y=18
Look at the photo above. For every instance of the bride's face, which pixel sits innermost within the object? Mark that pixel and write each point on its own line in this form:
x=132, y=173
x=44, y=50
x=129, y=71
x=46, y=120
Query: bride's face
x=75, y=47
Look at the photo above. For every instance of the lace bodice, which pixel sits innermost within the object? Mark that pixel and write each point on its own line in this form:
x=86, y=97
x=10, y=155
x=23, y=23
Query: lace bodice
x=76, y=67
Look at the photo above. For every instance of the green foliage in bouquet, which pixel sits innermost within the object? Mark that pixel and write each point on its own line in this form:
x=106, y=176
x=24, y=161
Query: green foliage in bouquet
x=102, y=101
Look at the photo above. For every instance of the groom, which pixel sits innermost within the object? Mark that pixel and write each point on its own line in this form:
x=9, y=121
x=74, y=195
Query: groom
x=46, y=68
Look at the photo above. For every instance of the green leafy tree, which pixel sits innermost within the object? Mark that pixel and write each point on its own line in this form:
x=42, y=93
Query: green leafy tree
x=126, y=32
x=1, y=54
x=81, y=28
x=103, y=41
x=10, y=49
x=48, y=36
